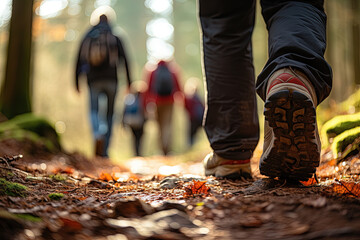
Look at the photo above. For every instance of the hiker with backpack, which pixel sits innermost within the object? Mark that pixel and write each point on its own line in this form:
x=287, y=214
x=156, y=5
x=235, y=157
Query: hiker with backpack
x=100, y=54
x=194, y=107
x=162, y=87
x=134, y=116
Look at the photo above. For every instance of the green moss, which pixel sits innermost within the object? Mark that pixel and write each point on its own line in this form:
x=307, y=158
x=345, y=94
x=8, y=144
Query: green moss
x=28, y=217
x=56, y=196
x=58, y=177
x=343, y=140
x=12, y=189
x=31, y=127
x=337, y=125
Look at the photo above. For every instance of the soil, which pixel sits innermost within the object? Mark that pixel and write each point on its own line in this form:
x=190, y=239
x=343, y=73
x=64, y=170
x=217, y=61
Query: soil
x=167, y=198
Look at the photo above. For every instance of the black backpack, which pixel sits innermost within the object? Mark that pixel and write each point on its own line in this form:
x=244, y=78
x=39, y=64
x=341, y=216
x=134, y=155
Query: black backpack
x=164, y=82
x=102, y=48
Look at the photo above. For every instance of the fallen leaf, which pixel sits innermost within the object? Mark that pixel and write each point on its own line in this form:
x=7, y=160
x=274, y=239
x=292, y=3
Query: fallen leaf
x=70, y=225
x=309, y=182
x=196, y=188
x=105, y=177
x=251, y=221
x=346, y=188
x=67, y=170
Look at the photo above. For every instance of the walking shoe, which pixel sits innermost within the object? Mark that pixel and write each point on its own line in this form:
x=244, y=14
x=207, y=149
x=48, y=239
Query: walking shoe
x=224, y=168
x=100, y=147
x=291, y=145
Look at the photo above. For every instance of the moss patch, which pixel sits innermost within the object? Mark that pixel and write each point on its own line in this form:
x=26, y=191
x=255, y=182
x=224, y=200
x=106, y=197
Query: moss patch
x=28, y=217
x=12, y=189
x=31, y=127
x=58, y=177
x=343, y=140
x=338, y=125
x=55, y=196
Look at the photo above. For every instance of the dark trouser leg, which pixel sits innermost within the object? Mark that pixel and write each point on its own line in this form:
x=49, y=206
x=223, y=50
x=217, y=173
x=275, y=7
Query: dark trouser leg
x=231, y=120
x=110, y=87
x=297, y=38
x=94, y=92
x=137, y=132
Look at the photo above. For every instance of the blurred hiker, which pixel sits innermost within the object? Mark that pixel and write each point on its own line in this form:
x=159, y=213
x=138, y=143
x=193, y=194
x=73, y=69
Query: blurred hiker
x=100, y=54
x=295, y=79
x=194, y=107
x=134, y=113
x=162, y=86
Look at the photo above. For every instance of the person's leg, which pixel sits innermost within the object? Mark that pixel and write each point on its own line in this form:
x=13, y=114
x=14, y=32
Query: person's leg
x=164, y=116
x=94, y=93
x=137, y=133
x=295, y=79
x=110, y=88
x=192, y=131
x=297, y=38
x=231, y=120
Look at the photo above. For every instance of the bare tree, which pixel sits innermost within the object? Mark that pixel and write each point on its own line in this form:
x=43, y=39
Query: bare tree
x=15, y=97
x=355, y=6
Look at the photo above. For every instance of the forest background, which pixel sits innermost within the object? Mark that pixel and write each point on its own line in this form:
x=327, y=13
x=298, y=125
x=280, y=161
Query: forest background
x=58, y=26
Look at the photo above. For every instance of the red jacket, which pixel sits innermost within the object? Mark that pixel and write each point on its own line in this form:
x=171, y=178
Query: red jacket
x=152, y=96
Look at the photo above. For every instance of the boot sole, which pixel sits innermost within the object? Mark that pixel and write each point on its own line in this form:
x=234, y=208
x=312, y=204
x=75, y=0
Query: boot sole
x=294, y=153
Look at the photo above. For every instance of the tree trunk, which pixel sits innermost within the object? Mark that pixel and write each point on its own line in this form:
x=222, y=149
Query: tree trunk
x=356, y=39
x=15, y=92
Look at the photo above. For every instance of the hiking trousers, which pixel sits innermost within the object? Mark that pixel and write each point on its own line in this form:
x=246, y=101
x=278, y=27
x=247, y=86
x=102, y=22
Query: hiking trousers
x=164, y=112
x=296, y=31
x=101, y=115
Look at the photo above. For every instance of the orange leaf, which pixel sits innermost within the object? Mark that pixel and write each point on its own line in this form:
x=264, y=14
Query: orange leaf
x=309, y=182
x=67, y=170
x=196, y=188
x=70, y=225
x=346, y=188
x=105, y=177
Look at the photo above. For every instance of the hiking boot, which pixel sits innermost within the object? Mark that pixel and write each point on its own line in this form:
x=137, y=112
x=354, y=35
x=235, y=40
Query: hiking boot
x=100, y=147
x=291, y=145
x=224, y=168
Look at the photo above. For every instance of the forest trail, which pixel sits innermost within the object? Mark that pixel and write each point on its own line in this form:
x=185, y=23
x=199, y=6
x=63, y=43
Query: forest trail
x=69, y=196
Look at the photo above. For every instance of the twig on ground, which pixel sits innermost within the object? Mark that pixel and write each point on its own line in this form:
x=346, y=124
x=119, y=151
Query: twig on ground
x=7, y=159
x=18, y=170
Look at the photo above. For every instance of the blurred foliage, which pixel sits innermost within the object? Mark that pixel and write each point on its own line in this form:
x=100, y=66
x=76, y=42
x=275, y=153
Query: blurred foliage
x=32, y=127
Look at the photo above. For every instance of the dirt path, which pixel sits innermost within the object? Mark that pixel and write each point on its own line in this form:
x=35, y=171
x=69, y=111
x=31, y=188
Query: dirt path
x=162, y=198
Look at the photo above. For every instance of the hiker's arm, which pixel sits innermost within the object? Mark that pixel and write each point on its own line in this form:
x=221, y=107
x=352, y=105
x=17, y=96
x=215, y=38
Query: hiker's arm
x=123, y=55
x=78, y=70
x=81, y=65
